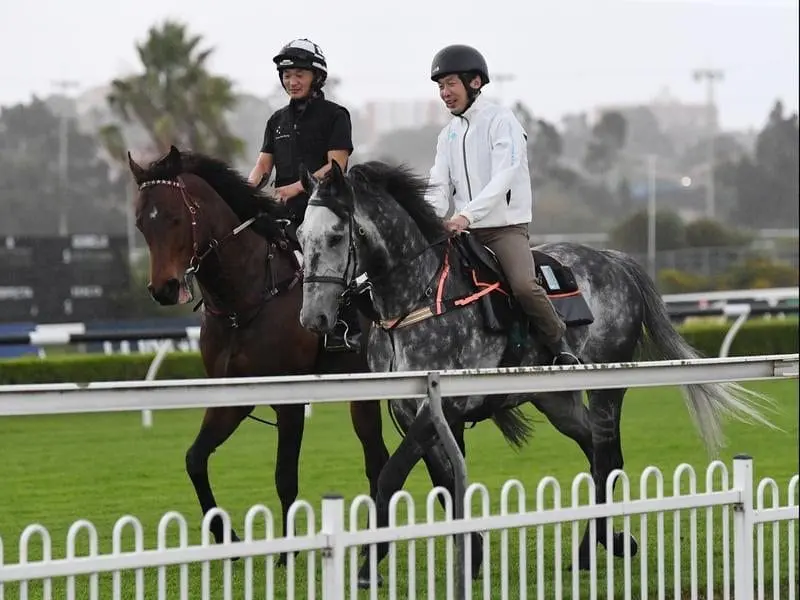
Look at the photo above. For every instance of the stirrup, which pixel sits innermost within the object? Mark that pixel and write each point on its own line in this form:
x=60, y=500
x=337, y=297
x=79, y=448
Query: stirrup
x=340, y=343
x=569, y=354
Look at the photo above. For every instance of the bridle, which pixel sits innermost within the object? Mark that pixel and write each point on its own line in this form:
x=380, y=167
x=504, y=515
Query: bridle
x=274, y=287
x=192, y=206
x=354, y=284
x=347, y=279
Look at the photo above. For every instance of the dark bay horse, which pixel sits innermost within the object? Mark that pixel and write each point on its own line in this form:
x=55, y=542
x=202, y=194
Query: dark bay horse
x=201, y=217
x=372, y=232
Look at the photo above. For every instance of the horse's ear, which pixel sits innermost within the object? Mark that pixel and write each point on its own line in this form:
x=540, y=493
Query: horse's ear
x=173, y=160
x=336, y=173
x=136, y=170
x=307, y=180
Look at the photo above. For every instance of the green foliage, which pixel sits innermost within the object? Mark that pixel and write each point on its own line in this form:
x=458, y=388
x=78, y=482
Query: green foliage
x=756, y=273
x=97, y=367
x=707, y=233
x=759, y=273
x=757, y=336
x=631, y=234
x=673, y=281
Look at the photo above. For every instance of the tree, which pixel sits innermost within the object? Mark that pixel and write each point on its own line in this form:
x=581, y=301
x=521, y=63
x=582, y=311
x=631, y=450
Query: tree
x=608, y=139
x=707, y=233
x=631, y=234
x=175, y=99
x=765, y=187
x=32, y=193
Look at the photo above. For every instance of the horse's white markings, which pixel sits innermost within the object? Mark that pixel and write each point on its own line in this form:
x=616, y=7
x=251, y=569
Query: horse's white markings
x=153, y=213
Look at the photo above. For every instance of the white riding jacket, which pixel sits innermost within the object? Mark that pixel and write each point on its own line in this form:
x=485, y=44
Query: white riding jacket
x=482, y=163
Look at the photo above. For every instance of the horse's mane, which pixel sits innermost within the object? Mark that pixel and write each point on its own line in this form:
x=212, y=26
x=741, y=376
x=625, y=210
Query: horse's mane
x=407, y=188
x=243, y=199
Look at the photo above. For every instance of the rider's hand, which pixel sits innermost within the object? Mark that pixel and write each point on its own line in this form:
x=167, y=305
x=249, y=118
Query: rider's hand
x=456, y=224
x=285, y=192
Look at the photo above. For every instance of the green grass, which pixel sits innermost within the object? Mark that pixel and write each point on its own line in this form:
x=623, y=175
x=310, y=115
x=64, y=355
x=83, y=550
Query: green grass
x=55, y=470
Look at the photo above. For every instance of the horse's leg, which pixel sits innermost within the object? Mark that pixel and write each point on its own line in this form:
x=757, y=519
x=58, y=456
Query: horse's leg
x=568, y=414
x=291, y=423
x=366, y=418
x=437, y=462
x=218, y=425
x=441, y=474
x=419, y=437
x=605, y=408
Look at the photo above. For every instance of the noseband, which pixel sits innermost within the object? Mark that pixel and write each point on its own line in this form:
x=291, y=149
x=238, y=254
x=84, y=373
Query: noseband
x=347, y=281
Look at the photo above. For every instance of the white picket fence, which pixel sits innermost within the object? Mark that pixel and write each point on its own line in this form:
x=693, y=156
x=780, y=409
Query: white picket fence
x=733, y=566
x=725, y=555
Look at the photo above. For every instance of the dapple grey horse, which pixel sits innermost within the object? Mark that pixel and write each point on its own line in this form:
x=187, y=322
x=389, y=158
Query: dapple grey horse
x=375, y=221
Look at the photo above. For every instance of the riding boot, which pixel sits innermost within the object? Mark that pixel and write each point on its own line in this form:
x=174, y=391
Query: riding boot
x=562, y=353
x=346, y=334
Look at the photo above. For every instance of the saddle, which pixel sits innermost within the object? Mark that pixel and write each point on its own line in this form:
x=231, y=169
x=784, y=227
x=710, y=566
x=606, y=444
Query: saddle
x=499, y=308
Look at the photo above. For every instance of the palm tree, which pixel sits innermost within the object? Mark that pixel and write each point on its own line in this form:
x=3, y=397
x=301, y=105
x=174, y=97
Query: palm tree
x=175, y=99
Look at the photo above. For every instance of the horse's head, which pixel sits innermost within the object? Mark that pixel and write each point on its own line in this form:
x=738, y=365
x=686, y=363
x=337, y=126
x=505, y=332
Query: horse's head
x=167, y=215
x=329, y=247
x=375, y=222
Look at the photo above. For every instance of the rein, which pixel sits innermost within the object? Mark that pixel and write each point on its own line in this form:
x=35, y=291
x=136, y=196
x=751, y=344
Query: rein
x=192, y=206
x=356, y=286
x=215, y=244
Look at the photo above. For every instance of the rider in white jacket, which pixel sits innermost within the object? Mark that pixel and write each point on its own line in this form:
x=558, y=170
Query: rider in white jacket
x=482, y=164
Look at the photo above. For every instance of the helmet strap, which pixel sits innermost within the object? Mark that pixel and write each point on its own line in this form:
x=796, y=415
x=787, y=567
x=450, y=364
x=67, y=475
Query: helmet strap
x=472, y=93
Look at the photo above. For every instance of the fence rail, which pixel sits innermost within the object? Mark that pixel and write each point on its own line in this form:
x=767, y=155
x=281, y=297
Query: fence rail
x=731, y=555
x=110, y=396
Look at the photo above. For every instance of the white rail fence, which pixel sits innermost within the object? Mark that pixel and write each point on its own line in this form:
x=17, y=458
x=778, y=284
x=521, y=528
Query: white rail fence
x=709, y=544
x=328, y=543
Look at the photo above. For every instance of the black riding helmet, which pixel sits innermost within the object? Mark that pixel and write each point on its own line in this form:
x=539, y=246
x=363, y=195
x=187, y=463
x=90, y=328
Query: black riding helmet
x=459, y=59
x=302, y=54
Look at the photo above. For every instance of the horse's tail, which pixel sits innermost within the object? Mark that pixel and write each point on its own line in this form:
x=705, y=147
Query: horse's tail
x=707, y=402
x=514, y=424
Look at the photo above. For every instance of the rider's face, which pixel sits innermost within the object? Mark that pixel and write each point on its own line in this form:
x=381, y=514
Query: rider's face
x=454, y=94
x=297, y=82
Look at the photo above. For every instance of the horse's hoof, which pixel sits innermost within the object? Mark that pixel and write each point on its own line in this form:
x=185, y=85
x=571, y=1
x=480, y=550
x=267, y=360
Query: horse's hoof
x=619, y=545
x=364, y=582
x=583, y=565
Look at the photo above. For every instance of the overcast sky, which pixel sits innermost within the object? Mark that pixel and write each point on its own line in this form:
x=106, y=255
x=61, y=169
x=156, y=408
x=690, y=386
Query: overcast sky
x=567, y=55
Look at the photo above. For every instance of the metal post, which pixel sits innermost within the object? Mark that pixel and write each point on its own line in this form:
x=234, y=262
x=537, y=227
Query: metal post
x=711, y=76
x=163, y=349
x=63, y=160
x=651, y=215
x=743, y=528
x=459, y=472
x=333, y=555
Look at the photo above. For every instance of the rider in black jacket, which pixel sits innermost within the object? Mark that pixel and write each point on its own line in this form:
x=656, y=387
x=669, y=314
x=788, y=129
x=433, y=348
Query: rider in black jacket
x=310, y=131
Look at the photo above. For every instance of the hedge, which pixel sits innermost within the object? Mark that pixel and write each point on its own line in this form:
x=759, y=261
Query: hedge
x=757, y=336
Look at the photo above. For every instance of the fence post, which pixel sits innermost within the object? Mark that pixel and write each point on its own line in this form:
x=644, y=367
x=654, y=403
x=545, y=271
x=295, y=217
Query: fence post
x=459, y=465
x=333, y=555
x=744, y=579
